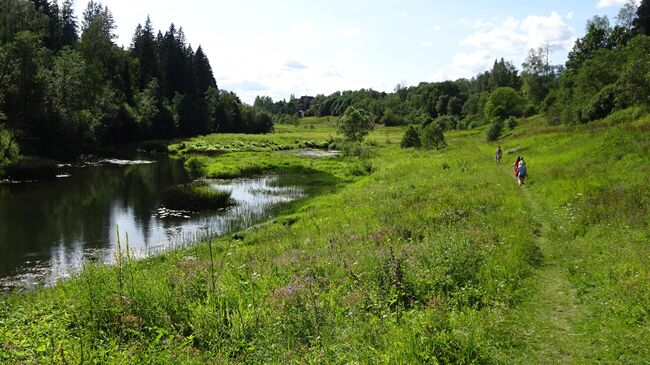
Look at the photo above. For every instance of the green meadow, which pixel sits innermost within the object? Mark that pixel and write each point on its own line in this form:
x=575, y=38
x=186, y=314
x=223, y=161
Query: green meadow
x=396, y=256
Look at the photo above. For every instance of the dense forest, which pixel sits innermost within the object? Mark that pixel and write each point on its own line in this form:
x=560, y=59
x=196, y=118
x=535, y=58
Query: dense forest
x=606, y=71
x=66, y=87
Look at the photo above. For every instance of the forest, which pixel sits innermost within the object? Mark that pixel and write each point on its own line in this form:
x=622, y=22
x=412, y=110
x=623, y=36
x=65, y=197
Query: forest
x=606, y=72
x=66, y=87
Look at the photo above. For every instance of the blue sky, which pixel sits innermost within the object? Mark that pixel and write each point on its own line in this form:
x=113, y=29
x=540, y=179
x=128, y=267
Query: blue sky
x=279, y=48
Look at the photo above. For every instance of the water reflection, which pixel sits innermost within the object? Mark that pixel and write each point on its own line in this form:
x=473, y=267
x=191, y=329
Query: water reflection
x=48, y=229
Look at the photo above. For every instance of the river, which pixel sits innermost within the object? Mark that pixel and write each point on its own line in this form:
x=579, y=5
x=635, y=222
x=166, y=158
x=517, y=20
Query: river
x=49, y=229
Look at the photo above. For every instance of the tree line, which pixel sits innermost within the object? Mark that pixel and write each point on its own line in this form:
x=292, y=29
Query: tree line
x=607, y=70
x=66, y=87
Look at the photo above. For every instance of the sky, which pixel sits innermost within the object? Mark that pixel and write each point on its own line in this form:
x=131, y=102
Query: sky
x=307, y=47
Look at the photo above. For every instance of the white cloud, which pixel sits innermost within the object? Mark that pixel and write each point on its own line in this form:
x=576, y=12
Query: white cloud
x=294, y=65
x=462, y=22
x=426, y=44
x=504, y=37
x=552, y=29
x=437, y=28
x=465, y=65
x=569, y=15
x=350, y=31
x=403, y=14
x=609, y=3
x=517, y=36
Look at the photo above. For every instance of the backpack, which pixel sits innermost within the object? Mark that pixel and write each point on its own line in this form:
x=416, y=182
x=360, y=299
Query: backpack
x=522, y=171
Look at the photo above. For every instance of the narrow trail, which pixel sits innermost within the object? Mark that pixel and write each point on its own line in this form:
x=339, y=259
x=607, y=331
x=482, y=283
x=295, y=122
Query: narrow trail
x=546, y=321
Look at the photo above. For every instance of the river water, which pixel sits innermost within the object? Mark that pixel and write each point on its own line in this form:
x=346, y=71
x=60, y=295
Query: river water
x=49, y=229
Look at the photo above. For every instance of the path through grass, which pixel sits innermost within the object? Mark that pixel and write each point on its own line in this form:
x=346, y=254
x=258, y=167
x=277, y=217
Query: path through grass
x=547, y=318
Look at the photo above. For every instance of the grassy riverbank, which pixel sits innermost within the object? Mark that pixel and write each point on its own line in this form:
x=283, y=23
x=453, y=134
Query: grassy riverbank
x=408, y=257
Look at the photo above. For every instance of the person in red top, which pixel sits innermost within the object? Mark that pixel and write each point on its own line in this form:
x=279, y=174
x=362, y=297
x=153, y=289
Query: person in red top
x=516, y=166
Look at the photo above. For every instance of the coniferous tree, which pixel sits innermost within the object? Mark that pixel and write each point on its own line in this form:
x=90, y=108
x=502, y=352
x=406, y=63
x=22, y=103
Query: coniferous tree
x=504, y=74
x=144, y=49
x=203, y=71
x=642, y=22
x=69, y=35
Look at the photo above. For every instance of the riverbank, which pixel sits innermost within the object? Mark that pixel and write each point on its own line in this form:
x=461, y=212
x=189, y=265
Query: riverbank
x=414, y=257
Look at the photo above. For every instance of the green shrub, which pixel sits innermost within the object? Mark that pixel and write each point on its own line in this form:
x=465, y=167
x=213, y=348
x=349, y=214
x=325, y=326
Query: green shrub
x=8, y=146
x=195, y=166
x=626, y=115
x=530, y=110
x=447, y=122
x=433, y=138
x=391, y=118
x=512, y=122
x=196, y=196
x=494, y=131
x=32, y=168
x=355, y=149
x=411, y=138
x=601, y=105
x=156, y=146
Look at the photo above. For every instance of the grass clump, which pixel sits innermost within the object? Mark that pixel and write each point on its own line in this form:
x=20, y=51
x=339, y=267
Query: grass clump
x=31, y=168
x=196, y=196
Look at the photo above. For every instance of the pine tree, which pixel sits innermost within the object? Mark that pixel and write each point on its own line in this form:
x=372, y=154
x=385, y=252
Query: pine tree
x=642, y=22
x=203, y=71
x=144, y=48
x=411, y=138
x=69, y=25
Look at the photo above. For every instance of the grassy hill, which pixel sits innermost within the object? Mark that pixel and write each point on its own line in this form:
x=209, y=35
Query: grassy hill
x=402, y=256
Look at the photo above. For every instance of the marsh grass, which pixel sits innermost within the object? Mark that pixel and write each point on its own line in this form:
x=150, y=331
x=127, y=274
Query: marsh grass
x=196, y=196
x=30, y=169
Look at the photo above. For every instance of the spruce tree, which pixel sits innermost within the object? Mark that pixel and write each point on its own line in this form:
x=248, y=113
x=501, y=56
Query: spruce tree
x=203, y=71
x=69, y=25
x=642, y=22
x=143, y=47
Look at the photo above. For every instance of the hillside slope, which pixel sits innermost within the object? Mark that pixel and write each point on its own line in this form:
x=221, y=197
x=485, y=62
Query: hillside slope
x=411, y=257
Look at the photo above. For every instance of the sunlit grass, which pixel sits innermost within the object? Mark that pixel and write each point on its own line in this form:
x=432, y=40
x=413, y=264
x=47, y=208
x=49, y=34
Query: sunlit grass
x=425, y=257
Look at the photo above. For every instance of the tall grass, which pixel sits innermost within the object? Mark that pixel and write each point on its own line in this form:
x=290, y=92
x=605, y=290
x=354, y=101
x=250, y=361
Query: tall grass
x=410, y=263
x=196, y=196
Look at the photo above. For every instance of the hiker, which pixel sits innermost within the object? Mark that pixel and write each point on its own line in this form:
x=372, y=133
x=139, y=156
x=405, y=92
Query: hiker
x=498, y=154
x=522, y=172
x=516, y=166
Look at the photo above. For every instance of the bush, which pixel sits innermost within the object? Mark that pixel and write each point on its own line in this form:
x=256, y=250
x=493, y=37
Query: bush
x=33, y=168
x=355, y=149
x=494, y=131
x=411, y=138
x=530, y=110
x=512, y=122
x=502, y=103
x=432, y=137
x=154, y=146
x=601, y=105
x=196, y=196
x=195, y=166
x=626, y=115
x=447, y=122
x=8, y=146
x=391, y=118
